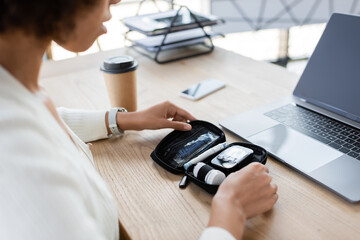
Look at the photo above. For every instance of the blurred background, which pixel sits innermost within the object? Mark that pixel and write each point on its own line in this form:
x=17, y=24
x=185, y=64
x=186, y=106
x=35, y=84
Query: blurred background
x=266, y=30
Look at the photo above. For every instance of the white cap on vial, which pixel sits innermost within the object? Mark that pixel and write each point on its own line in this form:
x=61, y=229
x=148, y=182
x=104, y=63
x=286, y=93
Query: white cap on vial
x=213, y=177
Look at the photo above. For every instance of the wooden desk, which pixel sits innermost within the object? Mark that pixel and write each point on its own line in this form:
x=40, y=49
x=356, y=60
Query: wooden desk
x=151, y=205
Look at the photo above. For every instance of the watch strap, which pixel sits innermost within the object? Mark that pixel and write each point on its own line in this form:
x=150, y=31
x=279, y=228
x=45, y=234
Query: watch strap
x=115, y=130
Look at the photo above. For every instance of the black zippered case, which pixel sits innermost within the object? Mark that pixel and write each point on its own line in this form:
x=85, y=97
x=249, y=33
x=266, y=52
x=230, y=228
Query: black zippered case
x=178, y=147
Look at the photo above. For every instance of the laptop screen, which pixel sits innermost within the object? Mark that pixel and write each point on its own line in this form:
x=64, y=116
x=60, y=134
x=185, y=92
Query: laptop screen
x=331, y=79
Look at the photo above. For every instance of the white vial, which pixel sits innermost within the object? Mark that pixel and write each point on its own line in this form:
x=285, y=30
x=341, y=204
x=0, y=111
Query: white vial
x=212, y=177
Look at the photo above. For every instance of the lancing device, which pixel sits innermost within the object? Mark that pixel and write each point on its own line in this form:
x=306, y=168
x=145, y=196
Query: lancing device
x=204, y=155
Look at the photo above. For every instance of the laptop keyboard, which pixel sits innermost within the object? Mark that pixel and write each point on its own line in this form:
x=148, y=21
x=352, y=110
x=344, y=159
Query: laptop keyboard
x=331, y=132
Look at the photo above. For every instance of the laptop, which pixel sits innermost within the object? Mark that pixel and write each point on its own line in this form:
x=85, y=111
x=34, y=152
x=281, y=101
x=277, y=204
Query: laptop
x=316, y=130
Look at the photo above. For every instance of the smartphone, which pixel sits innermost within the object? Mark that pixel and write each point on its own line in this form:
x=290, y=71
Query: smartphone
x=202, y=89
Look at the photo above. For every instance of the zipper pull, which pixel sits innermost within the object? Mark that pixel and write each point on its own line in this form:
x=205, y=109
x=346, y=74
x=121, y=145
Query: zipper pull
x=183, y=182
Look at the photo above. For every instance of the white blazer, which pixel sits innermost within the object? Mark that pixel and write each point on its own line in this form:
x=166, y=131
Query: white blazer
x=49, y=188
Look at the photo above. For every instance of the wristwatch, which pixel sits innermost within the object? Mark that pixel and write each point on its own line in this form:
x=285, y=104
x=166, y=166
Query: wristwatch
x=115, y=130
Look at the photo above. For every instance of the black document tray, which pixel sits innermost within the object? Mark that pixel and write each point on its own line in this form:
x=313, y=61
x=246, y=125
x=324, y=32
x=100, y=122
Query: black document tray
x=179, y=147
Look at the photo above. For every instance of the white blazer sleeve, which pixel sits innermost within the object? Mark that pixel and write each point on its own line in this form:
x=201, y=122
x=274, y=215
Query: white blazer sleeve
x=88, y=125
x=216, y=233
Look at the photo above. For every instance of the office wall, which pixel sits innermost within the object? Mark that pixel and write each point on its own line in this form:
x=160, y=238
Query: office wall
x=250, y=15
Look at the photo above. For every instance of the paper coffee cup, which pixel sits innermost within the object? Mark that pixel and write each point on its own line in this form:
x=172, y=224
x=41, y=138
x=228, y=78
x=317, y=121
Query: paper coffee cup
x=120, y=80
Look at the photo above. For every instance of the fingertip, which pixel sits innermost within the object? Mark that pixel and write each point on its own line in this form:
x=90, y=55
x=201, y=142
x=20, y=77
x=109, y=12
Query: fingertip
x=187, y=127
x=185, y=114
x=180, y=126
x=192, y=118
x=275, y=187
x=276, y=197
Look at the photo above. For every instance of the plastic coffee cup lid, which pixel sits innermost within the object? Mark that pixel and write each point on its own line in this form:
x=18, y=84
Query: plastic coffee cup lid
x=119, y=64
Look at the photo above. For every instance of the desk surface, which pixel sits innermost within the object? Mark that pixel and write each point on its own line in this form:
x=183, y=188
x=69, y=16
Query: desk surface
x=151, y=205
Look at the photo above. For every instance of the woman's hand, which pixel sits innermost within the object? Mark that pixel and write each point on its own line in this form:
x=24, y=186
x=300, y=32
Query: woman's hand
x=244, y=194
x=163, y=115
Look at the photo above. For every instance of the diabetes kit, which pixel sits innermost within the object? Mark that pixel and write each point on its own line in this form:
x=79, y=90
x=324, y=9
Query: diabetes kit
x=203, y=155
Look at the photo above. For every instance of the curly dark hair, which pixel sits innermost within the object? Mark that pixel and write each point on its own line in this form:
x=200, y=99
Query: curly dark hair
x=42, y=18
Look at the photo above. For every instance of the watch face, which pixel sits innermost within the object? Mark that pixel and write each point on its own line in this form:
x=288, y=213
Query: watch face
x=122, y=109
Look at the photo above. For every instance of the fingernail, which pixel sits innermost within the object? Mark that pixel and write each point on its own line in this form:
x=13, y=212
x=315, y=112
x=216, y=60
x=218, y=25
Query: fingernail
x=187, y=127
